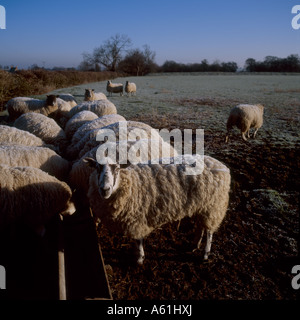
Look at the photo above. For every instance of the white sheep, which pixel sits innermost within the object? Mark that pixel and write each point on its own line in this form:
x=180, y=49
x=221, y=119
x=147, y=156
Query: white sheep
x=91, y=95
x=77, y=121
x=43, y=127
x=130, y=88
x=99, y=107
x=114, y=88
x=14, y=136
x=20, y=105
x=245, y=116
x=32, y=197
x=140, y=198
x=35, y=157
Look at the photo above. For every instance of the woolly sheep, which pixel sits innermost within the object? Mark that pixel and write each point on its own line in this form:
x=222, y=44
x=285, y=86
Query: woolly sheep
x=130, y=87
x=140, y=198
x=77, y=121
x=32, y=197
x=20, y=105
x=114, y=88
x=91, y=95
x=43, y=127
x=99, y=107
x=245, y=116
x=89, y=141
x=35, y=157
x=14, y=136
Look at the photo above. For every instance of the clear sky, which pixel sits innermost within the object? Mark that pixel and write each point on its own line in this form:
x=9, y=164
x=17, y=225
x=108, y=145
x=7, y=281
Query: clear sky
x=57, y=32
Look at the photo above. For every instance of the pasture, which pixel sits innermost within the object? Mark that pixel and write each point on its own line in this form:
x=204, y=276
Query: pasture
x=256, y=247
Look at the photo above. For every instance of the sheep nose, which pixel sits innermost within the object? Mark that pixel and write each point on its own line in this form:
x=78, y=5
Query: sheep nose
x=106, y=192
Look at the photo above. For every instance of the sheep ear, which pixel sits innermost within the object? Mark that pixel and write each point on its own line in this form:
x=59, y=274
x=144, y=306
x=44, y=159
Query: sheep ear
x=90, y=162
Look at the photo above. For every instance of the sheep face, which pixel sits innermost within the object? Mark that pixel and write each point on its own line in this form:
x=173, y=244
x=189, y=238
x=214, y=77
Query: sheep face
x=51, y=100
x=89, y=94
x=108, y=177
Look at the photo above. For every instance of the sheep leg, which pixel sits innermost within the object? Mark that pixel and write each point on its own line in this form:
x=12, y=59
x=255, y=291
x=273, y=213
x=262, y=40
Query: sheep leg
x=254, y=134
x=243, y=136
x=209, y=236
x=140, y=251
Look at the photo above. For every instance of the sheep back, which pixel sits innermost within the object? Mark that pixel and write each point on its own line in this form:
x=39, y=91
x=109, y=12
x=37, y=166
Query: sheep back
x=43, y=127
x=99, y=107
x=35, y=157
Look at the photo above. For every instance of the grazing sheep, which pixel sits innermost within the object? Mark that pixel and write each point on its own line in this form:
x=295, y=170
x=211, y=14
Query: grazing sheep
x=130, y=87
x=114, y=88
x=32, y=197
x=140, y=198
x=91, y=95
x=35, y=157
x=88, y=141
x=245, y=116
x=77, y=121
x=43, y=127
x=20, y=105
x=13, y=136
x=99, y=107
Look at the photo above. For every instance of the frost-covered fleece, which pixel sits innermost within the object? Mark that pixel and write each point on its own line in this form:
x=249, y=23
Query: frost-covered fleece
x=43, y=127
x=31, y=196
x=20, y=105
x=13, y=136
x=149, y=196
x=245, y=116
x=99, y=107
x=35, y=157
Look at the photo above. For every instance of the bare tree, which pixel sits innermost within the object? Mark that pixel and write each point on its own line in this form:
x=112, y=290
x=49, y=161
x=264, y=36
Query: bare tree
x=110, y=53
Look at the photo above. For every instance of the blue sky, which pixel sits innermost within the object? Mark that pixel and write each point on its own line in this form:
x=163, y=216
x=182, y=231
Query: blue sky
x=56, y=33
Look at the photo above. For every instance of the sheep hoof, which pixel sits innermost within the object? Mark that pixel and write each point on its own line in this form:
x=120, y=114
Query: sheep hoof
x=140, y=260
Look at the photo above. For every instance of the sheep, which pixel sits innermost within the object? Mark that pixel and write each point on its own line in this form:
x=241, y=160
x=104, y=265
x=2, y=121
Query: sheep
x=245, y=116
x=99, y=107
x=35, y=157
x=43, y=127
x=130, y=87
x=91, y=95
x=77, y=121
x=140, y=198
x=32, y=197
x=20, y=105
x=14, y=136
x=114, y=88
x=89, y=141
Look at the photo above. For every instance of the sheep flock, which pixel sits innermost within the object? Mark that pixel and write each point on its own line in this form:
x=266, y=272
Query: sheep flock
x=50, y=164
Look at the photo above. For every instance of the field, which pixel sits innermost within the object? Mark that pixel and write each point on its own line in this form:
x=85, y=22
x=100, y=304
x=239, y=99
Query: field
x=256, y=247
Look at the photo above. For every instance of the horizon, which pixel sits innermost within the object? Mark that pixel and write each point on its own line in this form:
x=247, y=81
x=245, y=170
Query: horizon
x=185, y=32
